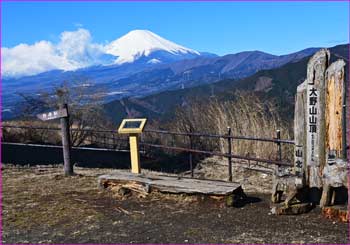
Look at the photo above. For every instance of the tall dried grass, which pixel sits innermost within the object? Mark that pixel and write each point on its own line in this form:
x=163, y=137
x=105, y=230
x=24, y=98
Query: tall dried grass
x=246, y=114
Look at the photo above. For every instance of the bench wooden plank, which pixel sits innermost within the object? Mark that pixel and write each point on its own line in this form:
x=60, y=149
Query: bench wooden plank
x=170, y=184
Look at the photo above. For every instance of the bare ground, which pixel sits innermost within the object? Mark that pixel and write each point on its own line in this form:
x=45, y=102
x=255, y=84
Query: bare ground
x=42, y=206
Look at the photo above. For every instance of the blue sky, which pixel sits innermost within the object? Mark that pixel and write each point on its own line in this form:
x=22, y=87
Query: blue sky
x=218, y=27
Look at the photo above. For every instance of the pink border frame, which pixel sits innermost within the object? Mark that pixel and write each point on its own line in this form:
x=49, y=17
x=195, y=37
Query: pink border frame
x=348, y=85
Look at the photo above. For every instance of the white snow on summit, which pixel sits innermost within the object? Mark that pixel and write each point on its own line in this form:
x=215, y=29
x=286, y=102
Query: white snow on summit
x=139, y=43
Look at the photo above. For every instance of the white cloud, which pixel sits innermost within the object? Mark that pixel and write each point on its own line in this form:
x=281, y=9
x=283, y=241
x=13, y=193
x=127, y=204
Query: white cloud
x=78, y=47
x=75, y=50
x=25, y=59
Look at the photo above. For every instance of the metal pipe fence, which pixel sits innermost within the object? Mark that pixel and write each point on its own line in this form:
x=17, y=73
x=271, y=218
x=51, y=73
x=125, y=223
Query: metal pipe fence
x=152, y=138
x=273, y=140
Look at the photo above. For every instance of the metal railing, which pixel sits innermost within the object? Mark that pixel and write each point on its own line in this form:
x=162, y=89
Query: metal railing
x=108, y=139
x=228, y=154
x=111, y=140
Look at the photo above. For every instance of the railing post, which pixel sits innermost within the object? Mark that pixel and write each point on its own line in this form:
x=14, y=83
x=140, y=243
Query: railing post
x=229, y=152
x=142, y=145
x=279, y=148
x=276, y=197
x=191, y=161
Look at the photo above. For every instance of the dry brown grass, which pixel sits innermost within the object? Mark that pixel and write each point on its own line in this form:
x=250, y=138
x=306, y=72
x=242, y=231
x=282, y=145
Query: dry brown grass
x=31, y=135
x=247, y=115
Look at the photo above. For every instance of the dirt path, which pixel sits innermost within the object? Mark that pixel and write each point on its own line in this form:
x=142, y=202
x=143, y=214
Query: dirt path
x=41, y=206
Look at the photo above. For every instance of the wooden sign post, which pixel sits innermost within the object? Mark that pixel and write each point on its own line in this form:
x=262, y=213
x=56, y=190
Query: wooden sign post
x=63, y=115
x=335, y=110
x=315, y=117
x=320, y=128
x=320, y=125
x=66, y=144
x=299, y=133
x=335, y=170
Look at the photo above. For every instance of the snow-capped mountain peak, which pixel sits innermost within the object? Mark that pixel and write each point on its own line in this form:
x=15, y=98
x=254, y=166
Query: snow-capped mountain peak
x=143, y=43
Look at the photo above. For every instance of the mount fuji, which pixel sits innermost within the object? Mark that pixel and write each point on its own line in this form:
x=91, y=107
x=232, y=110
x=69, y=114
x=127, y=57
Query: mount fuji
x=147, y=47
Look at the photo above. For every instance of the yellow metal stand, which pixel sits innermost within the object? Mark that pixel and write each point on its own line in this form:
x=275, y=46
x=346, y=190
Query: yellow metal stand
x=134, y=153
x=134, y=127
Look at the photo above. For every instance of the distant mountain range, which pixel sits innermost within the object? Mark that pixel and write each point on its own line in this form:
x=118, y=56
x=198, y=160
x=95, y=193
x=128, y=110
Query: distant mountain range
x=202, y=70
x=144, y=64
x=278, y=84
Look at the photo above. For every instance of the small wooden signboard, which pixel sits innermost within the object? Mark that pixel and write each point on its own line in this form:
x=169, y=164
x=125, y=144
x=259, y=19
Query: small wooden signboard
x=53, y=115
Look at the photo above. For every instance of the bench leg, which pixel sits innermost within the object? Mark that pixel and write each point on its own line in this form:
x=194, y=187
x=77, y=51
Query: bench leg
x=276, y=194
